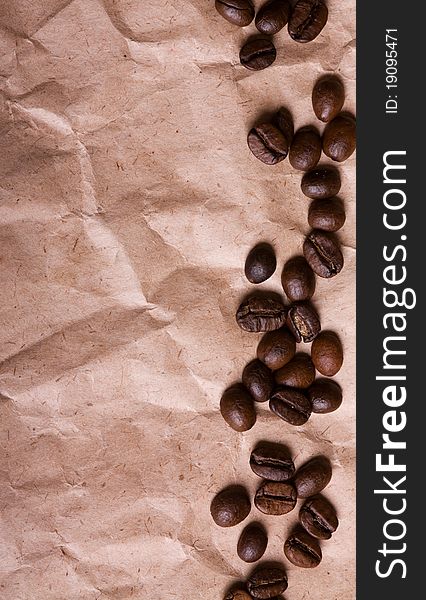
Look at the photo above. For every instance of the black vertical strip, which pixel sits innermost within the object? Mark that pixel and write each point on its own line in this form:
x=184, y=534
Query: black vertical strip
x=383, y=545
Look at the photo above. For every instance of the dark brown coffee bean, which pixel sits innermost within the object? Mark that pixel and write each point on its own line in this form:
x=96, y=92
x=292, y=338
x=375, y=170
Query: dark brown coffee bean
x=237, y=12
x=291, y=405
x=284, y=121
x=230, y=506
x=303, y=550
x=328, y=97
x=325, y=396
x=307, y=20
x=261, y=313
x=238, y=595
x=275, y=498
x=259, y=380
x=303, y=321
x=305, y=150
x=261, y=263
x=312, y=477
x=272, y=461
x=267, y=143
x=327, y=353
x=276, y=348
x=258, y=54
x=323, y=254
x=237, y=408
x=327, y=215
x=319, y=518
x=321, y=183
x=298, y=373
x=267, y=582
x=252, y=543
x=273, y=16
x=298, y=279
x=339, y=138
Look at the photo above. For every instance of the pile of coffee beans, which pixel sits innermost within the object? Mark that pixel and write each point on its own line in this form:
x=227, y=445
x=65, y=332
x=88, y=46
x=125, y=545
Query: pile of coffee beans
x=305, y=20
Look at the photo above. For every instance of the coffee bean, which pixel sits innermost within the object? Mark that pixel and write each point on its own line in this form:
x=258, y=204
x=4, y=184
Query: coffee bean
x=298, y=279
x=323, y=254
x=339, y=138
x=272, y=461
x=252, y=543
x=284, y=121
x=237, y=408
x=328, y=97
x=276, y=348
x=230, y=506
x=312, y=477
x=319, y=518
x=298, y=373
x=327, y=353
x=258, y=54
x=321, y=183
x=267, y=143
x=261, y=313
x=275, y=498
x=291, y=405
x=303, y=321
x=307, y=20
x=328, y=215
x=303, y=550
x=261, y=263
x=237, y=12
x=259, y=380
x=305, y=150
x=325, y=396
x=238, y=595
x=273, y=16
x=267, y=582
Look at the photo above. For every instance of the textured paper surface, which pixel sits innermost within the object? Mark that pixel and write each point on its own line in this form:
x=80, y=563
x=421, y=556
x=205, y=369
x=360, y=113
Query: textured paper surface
x=129, y=201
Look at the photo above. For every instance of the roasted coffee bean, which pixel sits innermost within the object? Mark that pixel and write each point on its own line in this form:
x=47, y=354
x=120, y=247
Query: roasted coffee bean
x=303, y=550
x=230, y=506
x=273, y=16
x=319, y=518
x=298, y=373
x=303, y=321
x=258, y=54
x=261, y=263
x=259, y=380
x=276, y=348
x=305, y=150
x=284, y=121
x=272, y=461
x=267, y=143
x=275, y=498
x=307, y=20
x=261, y=313
x=237, y=408
x=298, y=279
x=322, y=251
x=239, y=594
x=252, y=543
x=267, y=582
x=237, y=12
x=312, y=477
x=291, y=405
x=325, y=396
x=327, y=215
x=327, y=353
x=339, y=138
x=328, y=97
x=321, y=183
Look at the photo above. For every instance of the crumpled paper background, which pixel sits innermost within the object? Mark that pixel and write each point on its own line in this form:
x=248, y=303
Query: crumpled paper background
x=129, y=201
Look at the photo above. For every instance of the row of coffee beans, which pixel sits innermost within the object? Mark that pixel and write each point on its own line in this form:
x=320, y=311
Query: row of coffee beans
x=271, y=142
x=305, y=20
